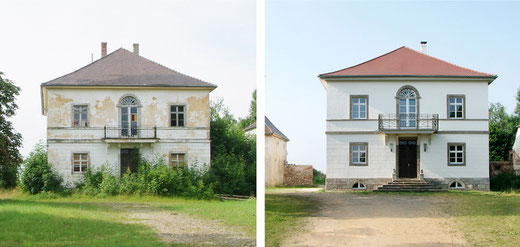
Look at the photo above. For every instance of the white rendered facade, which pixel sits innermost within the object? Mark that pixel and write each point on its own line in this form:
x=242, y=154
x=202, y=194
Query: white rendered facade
x=470, y=132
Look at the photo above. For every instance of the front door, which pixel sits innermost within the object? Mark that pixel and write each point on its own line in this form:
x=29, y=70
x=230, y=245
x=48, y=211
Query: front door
x=129, y=160
x=407, y=159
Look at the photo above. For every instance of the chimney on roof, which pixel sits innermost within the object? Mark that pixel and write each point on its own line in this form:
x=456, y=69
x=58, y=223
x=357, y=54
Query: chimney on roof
x=103, y=49
x=136, y=49
x=423, y=46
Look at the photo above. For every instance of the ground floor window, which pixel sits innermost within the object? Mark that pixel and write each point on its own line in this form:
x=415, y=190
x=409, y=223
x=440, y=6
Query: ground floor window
x=456, y=185
x=359, y=186
x=359, y=153
x=456, y=154
x=79, y=162
x=177, y=160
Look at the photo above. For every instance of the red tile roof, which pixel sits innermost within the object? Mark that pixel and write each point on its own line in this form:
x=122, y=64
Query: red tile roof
x=406, y=62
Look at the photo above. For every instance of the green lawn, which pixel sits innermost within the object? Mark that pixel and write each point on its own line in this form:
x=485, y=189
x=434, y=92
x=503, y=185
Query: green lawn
x=85, y=221
x=284, y=214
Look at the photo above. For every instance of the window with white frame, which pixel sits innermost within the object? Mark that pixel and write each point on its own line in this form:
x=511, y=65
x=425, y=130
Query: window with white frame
x=456, y=154
x=358, y=109
x=456, y=185
x=359, y=153
x=177, y=160
x=177, y=115
x=79, y=162
x=456, y=107
x=80, y=114
x=359, y=186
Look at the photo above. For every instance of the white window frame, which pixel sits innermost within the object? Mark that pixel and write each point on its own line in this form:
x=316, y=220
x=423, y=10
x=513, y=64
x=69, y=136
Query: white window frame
x=360, y=186
x=84, y=160
x=177, y=113
x=357, y=105
x=175, y=163
x=456, y=105
x=356, y=151
x=79, y=106
x=456, y=187
x=458, y=154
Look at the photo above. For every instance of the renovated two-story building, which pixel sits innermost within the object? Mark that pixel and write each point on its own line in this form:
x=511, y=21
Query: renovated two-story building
x=407, y=118
x=120, y=105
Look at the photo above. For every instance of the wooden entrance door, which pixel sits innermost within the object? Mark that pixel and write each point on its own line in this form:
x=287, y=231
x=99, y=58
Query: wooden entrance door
x=407, y=159
x=129, y=160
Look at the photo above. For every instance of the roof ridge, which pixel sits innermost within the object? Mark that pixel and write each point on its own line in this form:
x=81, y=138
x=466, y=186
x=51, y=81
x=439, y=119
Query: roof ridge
x=168, y=67
x=99, y=59
x=364, y=62
x=424, y=54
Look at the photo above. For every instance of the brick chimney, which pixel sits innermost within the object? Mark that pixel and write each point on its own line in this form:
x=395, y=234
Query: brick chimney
x=103, y=49
x=423, y=46
x=136, y=49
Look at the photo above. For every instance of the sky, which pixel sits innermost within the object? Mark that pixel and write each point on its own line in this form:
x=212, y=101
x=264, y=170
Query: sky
x=214, y=41
x=304, y=39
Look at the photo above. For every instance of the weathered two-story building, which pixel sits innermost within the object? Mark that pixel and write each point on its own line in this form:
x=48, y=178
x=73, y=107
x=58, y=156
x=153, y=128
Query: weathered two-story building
x=120, y=105
x=407, y=120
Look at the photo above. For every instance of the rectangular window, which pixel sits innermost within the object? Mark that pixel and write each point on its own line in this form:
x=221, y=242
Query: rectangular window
x=177, y=115
x=177, y=160
x=456, y=106
x=358, y=107
x=456, y=154
x=359, y=153
x=79, y=162
x=80, y=113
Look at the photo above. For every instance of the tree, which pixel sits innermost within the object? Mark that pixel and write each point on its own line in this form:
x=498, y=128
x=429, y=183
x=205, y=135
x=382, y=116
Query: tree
x=251, y=117
x=517, y=109
x=10, y=140
x=502, y=130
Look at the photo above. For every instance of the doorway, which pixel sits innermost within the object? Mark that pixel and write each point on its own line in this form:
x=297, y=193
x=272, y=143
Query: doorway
x=129, y=158
x=407, y=160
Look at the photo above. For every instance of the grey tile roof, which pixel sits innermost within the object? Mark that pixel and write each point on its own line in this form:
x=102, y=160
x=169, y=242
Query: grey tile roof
x=269, y=129
x=124, y=68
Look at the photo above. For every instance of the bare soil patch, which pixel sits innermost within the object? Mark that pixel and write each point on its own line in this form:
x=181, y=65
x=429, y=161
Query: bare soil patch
x=173, y=227
x=349, y=219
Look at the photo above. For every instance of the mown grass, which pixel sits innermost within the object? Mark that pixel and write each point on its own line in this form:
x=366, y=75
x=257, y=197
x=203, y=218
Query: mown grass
x=488, y=218
x=48, y=220
x=284, y=214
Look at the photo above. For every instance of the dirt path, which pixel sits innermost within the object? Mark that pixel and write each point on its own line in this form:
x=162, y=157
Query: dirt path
x=346, y=219
x=179, y=228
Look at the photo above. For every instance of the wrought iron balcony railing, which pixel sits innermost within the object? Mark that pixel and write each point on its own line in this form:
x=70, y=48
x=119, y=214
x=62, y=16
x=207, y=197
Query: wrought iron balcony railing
x=409, y=122
x=141, y=132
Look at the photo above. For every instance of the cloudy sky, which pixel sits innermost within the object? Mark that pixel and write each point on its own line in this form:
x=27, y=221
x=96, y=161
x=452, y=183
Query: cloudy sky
x=210, y=40
x=304, y=39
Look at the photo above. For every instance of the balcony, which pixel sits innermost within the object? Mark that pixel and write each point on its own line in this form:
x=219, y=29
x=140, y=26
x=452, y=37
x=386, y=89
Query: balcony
x=408, y=123
x=141, y=134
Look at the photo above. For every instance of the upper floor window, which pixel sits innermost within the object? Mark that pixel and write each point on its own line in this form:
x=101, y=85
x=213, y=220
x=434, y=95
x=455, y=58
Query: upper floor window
x=177, y=115
x=177, y=160
x=79, y=162
x=129, y=115
x=80, y=113
x=456, y=154
x=456, y=106
x=358, y=107
x=407, y=106
x=359, y=153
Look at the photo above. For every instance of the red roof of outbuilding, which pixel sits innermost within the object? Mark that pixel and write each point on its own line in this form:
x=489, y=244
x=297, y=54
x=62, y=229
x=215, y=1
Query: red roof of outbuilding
x=406, y=62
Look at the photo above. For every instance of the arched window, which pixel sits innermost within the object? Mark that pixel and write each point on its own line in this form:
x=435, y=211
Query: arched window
x=456, y=185
x=358, y=186
x=129, y=115
x=407, y=106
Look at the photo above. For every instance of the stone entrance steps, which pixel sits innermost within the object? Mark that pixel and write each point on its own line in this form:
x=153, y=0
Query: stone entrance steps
x=409, y=185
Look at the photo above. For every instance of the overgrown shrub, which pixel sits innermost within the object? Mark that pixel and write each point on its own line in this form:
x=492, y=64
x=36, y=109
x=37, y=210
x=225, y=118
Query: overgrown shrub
x=318, y=178
x=505, y=182
x=8, y=176
x=227, y=174
x=152, y=178
x=38, y=176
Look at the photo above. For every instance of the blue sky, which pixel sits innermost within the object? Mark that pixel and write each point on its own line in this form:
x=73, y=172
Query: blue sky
x=212, y=40
x=304, y=39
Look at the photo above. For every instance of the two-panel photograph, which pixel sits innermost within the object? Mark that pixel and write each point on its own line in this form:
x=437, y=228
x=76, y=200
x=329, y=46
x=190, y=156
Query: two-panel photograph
x=276, y=123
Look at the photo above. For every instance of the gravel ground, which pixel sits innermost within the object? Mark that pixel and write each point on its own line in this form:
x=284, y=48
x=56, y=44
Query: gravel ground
x=179, y=228
x=347, y=219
